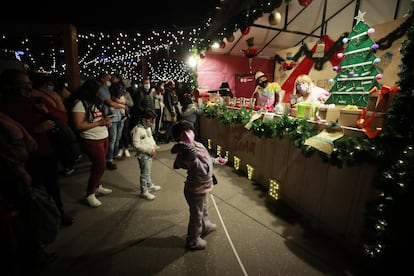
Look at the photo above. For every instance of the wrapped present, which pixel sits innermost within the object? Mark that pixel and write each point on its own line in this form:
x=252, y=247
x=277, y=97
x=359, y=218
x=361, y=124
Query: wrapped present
x=306, y=110
x=380, y=100
x=378, y=120
x=349, y=115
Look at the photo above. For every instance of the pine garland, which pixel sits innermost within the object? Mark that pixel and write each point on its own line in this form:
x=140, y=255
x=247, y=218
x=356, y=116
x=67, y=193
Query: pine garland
x=348, y=151
x=387, y=237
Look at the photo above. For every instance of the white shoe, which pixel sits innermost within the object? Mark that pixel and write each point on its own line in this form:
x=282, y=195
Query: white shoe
x=93, y=201
x=154, y=188
x=120, y=153
x=147, y=195
x=127, y=153
x=102, y=190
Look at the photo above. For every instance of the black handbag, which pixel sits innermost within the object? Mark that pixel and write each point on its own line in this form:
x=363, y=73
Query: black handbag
x=44, y=215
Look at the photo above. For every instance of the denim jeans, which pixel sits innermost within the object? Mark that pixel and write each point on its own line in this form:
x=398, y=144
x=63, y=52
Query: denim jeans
x=115, y=133
x=145, y=165
x=125, y=141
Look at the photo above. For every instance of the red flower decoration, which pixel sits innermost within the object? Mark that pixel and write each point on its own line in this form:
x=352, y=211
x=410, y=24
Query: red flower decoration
x=250, y=52
x=288, y=65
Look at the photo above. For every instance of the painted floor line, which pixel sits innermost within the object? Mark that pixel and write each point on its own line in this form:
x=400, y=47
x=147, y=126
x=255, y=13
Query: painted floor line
x=228, y=237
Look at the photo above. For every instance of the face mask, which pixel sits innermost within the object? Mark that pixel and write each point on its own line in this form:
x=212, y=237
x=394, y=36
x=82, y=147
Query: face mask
x=108, y=83
x=146, y=86
x=303, y=87
x=263, y=84
x=50, y=87
x=188, y=137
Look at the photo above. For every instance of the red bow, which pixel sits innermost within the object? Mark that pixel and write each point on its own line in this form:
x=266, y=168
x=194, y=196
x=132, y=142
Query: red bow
x=364, y=123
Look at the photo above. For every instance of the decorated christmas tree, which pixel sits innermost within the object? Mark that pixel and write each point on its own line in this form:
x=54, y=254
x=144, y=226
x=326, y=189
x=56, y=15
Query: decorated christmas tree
x=357, y=71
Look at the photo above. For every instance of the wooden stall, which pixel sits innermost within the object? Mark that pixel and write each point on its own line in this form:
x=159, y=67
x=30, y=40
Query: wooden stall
x=333, y=199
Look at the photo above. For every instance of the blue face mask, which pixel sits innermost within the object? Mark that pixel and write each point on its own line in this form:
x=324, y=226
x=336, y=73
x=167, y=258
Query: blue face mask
x=51, y=87
x=147, y=86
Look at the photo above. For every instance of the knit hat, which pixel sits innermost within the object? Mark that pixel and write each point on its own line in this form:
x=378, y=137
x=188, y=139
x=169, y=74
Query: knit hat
x=149, y=113
x=324, y=141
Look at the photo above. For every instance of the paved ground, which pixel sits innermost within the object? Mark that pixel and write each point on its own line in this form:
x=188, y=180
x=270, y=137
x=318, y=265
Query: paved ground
x=128, y=235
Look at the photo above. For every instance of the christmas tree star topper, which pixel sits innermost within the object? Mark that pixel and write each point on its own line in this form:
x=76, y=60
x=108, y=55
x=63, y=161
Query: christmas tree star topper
x=360, y=17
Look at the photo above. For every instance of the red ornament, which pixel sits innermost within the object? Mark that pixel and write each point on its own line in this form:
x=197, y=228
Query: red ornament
x=202, y=55
x=305, y=3
x=222, y=45
x=250, y=52
x=246, y=30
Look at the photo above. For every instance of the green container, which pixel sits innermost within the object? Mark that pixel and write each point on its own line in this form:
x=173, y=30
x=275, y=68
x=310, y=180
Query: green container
x=306, y=110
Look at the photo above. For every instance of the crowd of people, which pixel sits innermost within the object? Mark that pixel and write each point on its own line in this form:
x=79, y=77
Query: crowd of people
x=45, y=129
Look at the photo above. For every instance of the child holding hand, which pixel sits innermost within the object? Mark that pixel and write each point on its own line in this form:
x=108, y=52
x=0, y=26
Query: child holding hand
x=196, y=160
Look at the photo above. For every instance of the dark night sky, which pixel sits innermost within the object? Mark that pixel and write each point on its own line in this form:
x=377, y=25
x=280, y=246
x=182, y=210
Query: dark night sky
x=116, y=15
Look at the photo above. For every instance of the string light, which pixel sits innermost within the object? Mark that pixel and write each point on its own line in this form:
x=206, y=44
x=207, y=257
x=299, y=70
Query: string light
x=250, y=171
x=274, y=187
x=236, y=163
x=110, y=52
x=218, y=150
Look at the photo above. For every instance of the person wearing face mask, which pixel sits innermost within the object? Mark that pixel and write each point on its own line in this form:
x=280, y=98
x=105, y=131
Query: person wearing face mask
x=137, y=97
x=31, y=112
x=146, y=148
x=266, y=94
x=193, y=157
x=66, y=143
x=44, y=87
x=148, y=96
x=113, y=108
x=307, y=91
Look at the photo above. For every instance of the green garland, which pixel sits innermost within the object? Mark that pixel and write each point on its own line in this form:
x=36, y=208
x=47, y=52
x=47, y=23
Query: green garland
x=348, y=151
x=387, y=238
x=383, y=43
x=319, y=62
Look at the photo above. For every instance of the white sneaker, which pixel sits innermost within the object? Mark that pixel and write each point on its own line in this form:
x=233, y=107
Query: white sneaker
x=93, y=201
x=127, y=153
x=154, y=188
x=120, y=153
x=102, y=190
x=148, y=195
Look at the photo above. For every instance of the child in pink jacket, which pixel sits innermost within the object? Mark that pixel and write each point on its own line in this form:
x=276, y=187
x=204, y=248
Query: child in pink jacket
x=195, y=158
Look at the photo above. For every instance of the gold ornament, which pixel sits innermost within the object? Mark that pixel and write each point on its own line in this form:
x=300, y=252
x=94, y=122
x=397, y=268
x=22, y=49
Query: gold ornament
x=275, y=17
x=230, y=38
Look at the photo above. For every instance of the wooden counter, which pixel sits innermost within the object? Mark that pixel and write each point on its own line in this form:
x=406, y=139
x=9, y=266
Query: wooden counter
x=333, y=199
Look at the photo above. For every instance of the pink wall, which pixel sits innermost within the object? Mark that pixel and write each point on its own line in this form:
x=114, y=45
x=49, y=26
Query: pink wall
x=215, y=68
